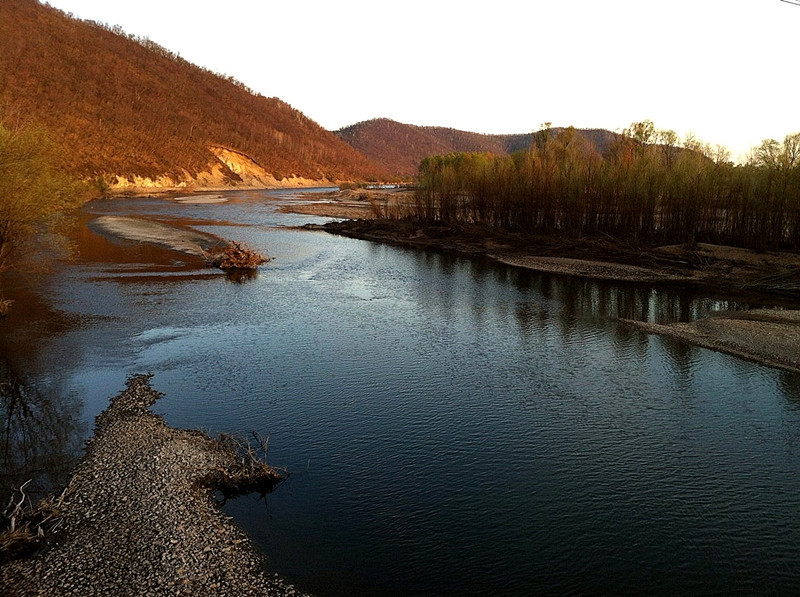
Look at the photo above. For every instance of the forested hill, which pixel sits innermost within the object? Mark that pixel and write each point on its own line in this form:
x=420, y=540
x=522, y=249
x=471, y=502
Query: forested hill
x=399, y=148
x=128, y=107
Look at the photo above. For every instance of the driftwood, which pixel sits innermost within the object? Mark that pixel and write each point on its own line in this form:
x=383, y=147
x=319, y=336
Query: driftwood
x=250, y=474
x=236, y=256
x=24, y=526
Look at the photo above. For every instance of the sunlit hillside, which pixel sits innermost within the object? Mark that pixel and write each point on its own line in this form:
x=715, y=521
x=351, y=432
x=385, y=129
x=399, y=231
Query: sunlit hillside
x=128, y=107
x=399, y=148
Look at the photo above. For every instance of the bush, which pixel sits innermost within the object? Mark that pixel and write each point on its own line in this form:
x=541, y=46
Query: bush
x=34, y=190
x=237, y=256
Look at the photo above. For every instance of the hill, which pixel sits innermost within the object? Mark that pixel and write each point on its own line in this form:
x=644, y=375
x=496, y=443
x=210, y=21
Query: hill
x=399, y=148
x=136, y=114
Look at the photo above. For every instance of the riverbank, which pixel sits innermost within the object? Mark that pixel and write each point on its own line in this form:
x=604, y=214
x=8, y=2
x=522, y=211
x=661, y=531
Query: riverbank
x=768, y=337
x=139, y=515
x=717, y=269
x=763, y=278
x=356, y=203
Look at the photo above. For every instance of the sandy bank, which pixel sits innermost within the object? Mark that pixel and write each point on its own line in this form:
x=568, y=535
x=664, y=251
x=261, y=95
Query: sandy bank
x=139, y=518
x=597, y=270
x=212, y=182
x=191, y=242
x=200, y=199
x=358, y=204
x=765, y=336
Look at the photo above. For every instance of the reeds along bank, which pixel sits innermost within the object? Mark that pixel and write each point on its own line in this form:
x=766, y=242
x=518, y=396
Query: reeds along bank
x=645, y=188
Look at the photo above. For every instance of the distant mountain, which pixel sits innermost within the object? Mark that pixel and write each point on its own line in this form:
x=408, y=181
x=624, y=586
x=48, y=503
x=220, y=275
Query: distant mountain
x=399, y=148
x=131, y=111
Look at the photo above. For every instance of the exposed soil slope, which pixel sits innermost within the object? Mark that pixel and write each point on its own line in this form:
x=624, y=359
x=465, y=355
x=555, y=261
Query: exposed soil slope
x=130, y=108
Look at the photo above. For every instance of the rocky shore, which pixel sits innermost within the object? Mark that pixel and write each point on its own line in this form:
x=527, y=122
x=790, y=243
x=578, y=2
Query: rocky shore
x=139, y=515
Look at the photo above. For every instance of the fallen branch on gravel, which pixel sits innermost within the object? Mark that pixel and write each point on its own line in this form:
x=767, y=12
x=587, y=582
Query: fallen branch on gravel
x=24, y=527
x=236, y=256
x=250, y=474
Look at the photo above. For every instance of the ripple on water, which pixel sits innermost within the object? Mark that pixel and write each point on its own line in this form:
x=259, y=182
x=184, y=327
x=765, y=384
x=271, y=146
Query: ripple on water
x=458, y=427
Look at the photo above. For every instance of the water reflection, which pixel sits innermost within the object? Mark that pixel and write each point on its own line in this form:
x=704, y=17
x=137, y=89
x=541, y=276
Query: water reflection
x=241, y=276
x=40, y=438
x=605, y=300
x=596, y=458
x=577, y=298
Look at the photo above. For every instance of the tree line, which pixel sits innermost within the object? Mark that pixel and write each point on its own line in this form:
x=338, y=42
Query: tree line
x=648, y=187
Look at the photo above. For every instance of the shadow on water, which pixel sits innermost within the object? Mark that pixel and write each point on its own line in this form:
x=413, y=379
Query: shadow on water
x=790, y=387
x=40, y=439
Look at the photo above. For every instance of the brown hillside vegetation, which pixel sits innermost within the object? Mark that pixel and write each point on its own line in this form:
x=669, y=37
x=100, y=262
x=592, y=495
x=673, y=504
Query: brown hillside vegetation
x=400, y=148
x=128, y=107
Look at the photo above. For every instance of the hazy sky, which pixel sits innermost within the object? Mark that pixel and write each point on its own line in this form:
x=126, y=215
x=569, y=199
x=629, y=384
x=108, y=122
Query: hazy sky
x=726, y=70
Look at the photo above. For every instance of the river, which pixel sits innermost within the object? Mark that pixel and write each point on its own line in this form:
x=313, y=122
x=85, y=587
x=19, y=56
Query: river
x=452, y=426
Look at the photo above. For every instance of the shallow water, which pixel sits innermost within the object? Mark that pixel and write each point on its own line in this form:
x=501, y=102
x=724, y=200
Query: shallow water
x=453, y=426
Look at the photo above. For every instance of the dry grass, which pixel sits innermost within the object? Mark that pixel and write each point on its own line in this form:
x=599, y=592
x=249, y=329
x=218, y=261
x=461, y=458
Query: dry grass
x=24, y=526
x=251, y=474
x=237, y=256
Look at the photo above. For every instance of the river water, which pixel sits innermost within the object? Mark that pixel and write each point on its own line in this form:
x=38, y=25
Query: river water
x=452, y=426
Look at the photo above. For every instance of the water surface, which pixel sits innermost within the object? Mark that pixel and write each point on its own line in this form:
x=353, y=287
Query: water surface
x=453, y=426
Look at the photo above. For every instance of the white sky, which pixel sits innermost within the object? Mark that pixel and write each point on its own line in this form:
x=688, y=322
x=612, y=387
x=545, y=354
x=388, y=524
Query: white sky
x=726, y=70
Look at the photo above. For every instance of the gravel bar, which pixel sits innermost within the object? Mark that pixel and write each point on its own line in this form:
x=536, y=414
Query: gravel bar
x=767, y=337
x=138, y=517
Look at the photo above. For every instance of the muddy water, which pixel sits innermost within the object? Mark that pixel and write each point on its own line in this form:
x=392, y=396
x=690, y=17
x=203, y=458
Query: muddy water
x=452, y=426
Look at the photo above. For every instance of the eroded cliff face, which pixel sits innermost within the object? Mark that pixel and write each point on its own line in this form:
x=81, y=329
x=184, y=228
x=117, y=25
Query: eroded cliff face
x=243, y=167
x=228, y=169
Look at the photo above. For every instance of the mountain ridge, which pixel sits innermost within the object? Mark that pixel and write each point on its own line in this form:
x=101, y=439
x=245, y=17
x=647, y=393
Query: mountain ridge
x=399, y=148
x=133, y=113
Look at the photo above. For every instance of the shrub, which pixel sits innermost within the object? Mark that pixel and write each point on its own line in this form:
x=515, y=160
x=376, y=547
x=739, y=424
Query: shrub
x=236, y=256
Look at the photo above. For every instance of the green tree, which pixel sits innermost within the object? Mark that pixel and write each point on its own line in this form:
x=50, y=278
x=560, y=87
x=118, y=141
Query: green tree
x=33, y=188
